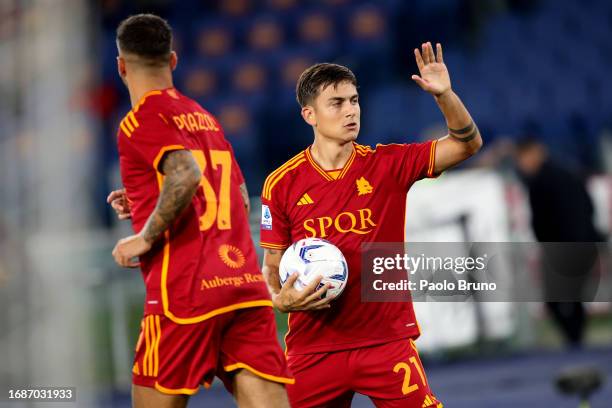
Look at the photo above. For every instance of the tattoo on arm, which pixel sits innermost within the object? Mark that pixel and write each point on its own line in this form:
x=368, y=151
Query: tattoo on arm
x=182, y=178
x=464, y=135
x=245, y=197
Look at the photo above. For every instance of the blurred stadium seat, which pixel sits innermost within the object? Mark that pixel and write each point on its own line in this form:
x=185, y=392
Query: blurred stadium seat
x=213, y=41
x=317, y=29
x=265, y=34
x=235, y=8
x=249, y=77
x=200, y=81
x=281, y=5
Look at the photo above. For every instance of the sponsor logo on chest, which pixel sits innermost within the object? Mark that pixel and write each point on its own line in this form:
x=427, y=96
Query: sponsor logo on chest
x=359, y=221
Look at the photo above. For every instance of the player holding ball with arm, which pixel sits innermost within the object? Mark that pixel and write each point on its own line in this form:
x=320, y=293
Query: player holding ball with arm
x=349, y=194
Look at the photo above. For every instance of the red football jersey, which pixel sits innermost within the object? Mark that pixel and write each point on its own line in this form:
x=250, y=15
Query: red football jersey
x=206, y=262
x=363, y=202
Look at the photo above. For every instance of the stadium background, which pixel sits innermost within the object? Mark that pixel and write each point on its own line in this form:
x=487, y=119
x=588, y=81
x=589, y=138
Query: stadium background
x=70, y=316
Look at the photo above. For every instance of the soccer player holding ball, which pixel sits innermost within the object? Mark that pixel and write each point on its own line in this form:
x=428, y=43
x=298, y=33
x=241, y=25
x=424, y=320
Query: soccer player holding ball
x=207, y=310
x=348, y=194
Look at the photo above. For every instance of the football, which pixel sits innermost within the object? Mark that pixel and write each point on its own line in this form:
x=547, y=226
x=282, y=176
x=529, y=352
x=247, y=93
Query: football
x=312, y=257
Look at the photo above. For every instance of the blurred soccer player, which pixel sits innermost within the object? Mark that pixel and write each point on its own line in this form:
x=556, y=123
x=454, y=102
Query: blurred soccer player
x=207, y=309
x=349, y=194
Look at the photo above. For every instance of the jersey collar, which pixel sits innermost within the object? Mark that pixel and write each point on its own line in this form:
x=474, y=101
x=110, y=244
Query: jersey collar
x=150, y=93
x=323, y=173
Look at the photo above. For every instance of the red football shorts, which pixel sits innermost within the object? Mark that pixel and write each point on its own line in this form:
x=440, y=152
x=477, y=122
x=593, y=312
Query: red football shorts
x=178, y=358
x=390, y=374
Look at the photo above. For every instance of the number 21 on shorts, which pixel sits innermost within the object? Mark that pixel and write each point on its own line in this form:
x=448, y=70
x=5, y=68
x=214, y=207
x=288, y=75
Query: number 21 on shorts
x=407, y=387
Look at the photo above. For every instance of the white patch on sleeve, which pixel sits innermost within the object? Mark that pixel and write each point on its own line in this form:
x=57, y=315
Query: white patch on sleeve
x=266, y=217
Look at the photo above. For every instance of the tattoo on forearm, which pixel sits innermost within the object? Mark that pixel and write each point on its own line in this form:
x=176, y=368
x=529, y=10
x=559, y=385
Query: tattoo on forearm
x=181, y=181
x=470, y=132
x=245, y=196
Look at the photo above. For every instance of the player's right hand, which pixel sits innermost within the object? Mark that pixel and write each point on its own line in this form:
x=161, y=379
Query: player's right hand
x=119, y=201
x=129, y=248
x=290, y=299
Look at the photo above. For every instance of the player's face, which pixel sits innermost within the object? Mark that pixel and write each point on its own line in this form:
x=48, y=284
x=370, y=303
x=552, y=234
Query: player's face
x=336, y=113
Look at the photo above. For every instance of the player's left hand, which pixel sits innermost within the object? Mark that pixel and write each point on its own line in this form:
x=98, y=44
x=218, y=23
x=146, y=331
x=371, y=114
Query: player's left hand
x=128, y=248
x=434, y=74
x=120, y=203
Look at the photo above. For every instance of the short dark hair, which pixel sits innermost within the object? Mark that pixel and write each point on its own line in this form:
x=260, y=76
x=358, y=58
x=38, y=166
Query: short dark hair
x=147, y=36
x=318, y=77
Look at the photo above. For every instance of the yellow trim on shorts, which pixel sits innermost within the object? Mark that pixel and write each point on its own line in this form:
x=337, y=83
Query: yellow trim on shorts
x=145, y=359
x=176, y=391
x=269, y=377
x=156, y=346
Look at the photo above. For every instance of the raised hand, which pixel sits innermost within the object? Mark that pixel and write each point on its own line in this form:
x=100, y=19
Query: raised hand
x=434, y=76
